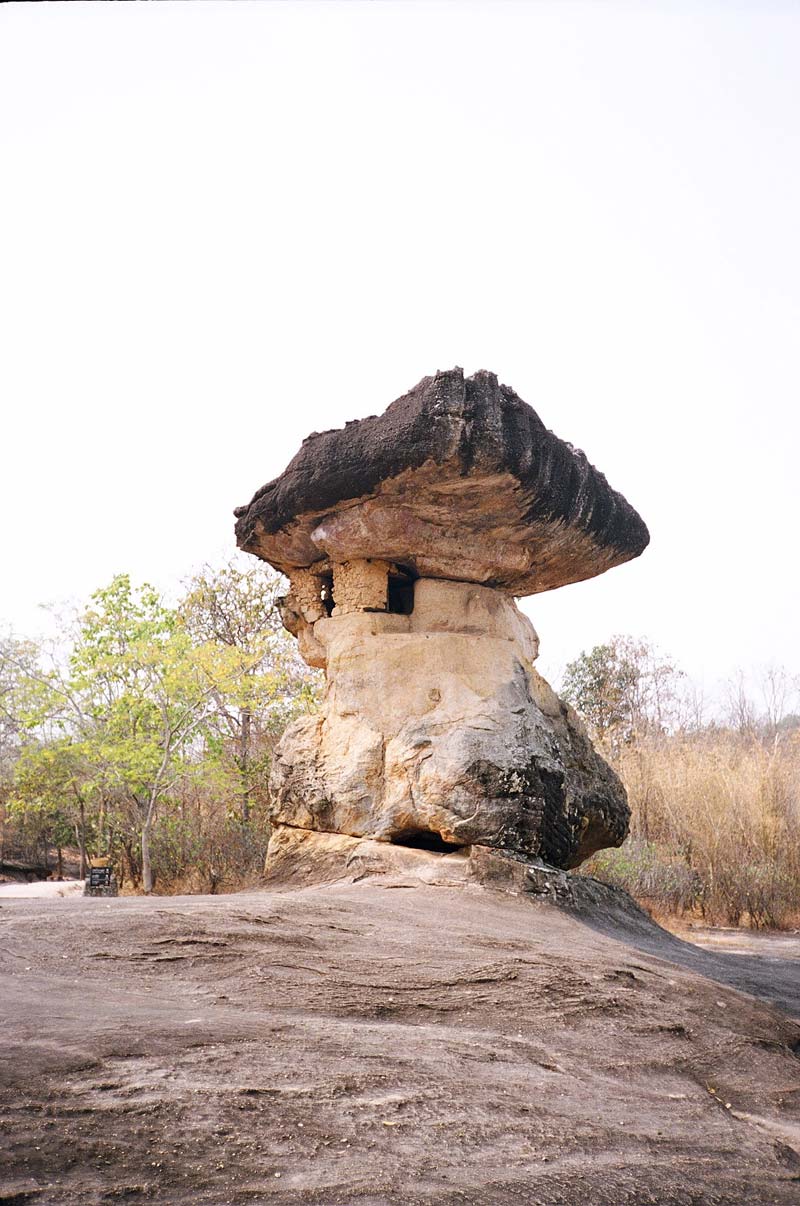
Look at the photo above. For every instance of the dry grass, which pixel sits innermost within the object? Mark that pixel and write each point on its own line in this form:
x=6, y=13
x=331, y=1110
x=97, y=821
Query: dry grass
x=715, y=825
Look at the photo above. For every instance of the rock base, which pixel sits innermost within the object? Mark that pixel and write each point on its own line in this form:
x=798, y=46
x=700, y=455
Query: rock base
x=304, y=858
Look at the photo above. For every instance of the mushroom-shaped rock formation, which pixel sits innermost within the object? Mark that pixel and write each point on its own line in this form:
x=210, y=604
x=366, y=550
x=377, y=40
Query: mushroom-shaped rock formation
x=405, y=539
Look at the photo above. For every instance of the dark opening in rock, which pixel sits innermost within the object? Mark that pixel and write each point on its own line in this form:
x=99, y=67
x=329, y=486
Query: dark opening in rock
x=326, y=593
x=423, y=839
x=400, y=599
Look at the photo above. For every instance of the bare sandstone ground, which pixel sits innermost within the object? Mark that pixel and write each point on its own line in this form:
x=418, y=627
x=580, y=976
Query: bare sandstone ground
x=387, y=1041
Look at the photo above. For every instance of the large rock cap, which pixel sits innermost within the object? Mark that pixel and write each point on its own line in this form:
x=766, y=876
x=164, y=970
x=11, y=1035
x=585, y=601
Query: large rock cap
x=459, y=479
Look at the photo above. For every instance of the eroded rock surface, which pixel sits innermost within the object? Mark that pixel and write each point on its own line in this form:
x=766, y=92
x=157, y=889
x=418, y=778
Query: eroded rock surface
x=437, y=730
x=459, y=478
x=379, y=1040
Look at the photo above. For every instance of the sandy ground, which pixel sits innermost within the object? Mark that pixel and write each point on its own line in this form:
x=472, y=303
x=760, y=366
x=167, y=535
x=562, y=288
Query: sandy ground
x=387, y=1042
x=48, y=889
x=766, y=944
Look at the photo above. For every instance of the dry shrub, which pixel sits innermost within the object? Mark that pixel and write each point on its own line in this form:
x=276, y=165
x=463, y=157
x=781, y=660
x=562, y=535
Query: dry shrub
x=207, y=848
x=714, y=827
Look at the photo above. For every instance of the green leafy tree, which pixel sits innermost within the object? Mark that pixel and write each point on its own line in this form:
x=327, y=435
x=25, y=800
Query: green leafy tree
x=51, y=783
x=144, y=692
x=24, y=692
x=235, y=608
x=623, y=689
x=153, y=720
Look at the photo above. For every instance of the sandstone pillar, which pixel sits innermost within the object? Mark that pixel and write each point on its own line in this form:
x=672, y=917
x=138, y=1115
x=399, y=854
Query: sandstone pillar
x=406, y=539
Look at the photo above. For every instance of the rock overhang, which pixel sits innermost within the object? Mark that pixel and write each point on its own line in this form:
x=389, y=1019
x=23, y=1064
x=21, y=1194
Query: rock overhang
x=457, y=479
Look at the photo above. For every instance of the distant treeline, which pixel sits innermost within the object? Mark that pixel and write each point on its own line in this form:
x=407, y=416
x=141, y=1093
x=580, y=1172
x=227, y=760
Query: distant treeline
x=145, y=732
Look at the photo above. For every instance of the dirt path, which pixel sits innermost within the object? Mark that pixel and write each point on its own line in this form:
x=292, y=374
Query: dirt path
x=766, y=944
x=48, y=889
x=379, y=1043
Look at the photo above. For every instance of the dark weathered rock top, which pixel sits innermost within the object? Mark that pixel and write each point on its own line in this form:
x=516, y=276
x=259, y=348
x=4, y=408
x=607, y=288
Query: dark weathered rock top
x=459, y=479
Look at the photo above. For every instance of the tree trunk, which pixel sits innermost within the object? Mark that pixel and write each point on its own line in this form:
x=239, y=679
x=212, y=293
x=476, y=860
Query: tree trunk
x=147, y=871
x=244, y=755
x=82, y=837
x=134, y=870
x=59, y=863
x=103, y=845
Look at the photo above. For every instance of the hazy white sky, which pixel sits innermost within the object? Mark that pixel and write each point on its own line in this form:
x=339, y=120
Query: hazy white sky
x=227, y=225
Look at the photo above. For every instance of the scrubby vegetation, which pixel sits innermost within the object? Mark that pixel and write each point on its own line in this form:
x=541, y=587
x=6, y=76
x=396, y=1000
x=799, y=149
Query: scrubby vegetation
x=146, y=731
x=715, y=803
